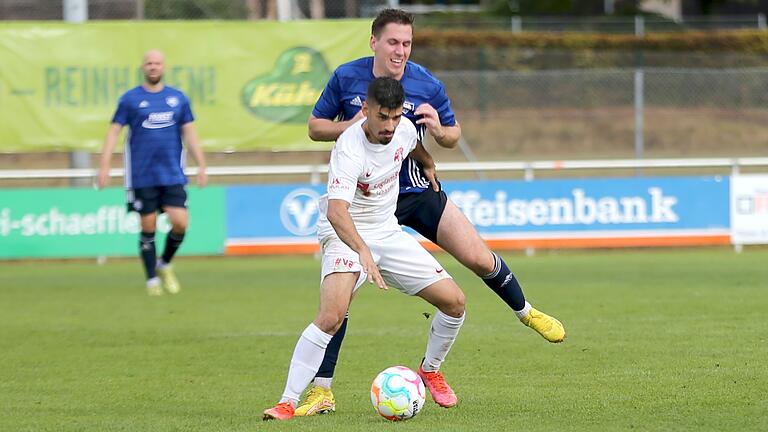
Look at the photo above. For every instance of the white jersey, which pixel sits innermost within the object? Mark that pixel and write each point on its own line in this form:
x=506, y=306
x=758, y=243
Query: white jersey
x=366, y=175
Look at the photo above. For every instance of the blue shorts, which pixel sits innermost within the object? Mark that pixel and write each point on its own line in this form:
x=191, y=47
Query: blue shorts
x=422, y=211
x=151, y=199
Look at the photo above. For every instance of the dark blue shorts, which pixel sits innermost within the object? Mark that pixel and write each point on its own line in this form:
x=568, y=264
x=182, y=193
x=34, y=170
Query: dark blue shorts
x=151, y=199
x=422, y=211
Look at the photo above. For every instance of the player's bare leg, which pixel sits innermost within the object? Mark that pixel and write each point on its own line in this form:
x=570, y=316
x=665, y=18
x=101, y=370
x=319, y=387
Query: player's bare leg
x=457, y=236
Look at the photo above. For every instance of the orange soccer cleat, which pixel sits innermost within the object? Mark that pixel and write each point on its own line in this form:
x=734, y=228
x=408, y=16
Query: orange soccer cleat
x=281, y=411
x=441, y=392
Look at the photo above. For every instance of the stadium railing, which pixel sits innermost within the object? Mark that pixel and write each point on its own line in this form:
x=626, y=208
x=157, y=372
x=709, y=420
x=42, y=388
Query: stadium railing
x=527, y=168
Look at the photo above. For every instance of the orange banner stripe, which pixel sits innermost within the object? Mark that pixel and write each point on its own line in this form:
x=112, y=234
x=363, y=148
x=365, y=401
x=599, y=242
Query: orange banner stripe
x=497, y=244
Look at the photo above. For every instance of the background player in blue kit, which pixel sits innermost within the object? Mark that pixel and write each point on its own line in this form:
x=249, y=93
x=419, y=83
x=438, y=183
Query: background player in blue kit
x=421, y=204
x=158, y=117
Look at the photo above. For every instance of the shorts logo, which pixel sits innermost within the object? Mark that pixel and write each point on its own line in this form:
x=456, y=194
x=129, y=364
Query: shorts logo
x=137, y=205
x=439, y=270
x=299, y=211
x=343, y=263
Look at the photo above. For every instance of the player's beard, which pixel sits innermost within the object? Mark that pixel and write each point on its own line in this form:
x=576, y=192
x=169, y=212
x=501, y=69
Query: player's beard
x=153, y=80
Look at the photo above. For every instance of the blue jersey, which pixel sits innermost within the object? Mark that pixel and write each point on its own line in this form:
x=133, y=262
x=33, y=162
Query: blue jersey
x=344, y=94
x=154, y=154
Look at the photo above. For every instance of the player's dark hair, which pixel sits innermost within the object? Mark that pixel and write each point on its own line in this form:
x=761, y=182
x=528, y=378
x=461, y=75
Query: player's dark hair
x=388, y=16
x=387, y=92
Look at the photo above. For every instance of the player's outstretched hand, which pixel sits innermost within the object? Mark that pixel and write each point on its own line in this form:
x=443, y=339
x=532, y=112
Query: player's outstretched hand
x=428, y=116
x=431, y=175
x=371, y=269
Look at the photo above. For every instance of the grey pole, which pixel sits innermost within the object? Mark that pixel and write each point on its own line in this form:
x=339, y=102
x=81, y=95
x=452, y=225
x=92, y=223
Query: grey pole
x=76, y=11
x=639, y=120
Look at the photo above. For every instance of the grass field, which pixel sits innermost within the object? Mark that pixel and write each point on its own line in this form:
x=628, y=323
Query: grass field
x=657, y=340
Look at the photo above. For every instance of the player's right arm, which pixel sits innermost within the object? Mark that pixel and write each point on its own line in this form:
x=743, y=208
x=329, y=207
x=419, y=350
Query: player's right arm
x=106, y=154
x=321, y=129
x=322, y=125
x=339, y=217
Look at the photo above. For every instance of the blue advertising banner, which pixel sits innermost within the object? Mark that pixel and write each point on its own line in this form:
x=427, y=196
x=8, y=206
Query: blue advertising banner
x=695, y=210
x=638, y=203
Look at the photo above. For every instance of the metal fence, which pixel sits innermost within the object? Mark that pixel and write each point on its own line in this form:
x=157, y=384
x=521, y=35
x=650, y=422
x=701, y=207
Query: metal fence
x=654, y=112
x=441, y=14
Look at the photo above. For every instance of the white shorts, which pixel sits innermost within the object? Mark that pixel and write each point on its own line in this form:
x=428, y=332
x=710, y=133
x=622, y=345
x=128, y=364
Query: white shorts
x=403, y=262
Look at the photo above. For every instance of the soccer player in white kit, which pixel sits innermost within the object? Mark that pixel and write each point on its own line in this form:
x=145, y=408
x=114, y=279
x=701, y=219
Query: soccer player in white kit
x=360, y=240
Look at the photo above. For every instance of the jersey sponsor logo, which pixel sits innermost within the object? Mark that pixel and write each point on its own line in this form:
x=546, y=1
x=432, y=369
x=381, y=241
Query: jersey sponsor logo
x=364, y=188
x=288, y=93
x=159, y=120
x=356, y=101
x=399, y=155
x=172, y=101
x=143, y=104
x=299, y=211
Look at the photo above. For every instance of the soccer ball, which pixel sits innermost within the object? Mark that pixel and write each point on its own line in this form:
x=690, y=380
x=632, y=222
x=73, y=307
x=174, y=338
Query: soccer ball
x=397, y=393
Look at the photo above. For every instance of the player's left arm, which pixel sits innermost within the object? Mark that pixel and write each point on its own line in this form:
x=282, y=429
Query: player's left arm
x=438, y=117
x=445, y=136
x=192, y=139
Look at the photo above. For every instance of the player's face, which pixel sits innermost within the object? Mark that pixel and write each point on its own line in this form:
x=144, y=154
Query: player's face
x=381, y=122
x=154, y=66
x=391, y=50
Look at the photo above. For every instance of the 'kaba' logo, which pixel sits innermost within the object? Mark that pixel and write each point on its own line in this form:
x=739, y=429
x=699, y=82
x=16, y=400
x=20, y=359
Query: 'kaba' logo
x=289, y=92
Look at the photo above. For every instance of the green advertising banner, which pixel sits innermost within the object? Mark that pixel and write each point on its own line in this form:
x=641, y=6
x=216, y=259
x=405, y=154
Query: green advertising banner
x=252, y=84
x=63, y=223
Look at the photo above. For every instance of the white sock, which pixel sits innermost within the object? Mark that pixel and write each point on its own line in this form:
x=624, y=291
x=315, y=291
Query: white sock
x=443, y=333
x=522, y=313
x=323, y=382
x=161, y=264
x=153, y=282
x=306, y=360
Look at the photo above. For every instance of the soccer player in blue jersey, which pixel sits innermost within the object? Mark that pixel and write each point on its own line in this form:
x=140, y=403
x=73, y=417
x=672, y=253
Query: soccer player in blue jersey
x=421, y=205
x=158, y=117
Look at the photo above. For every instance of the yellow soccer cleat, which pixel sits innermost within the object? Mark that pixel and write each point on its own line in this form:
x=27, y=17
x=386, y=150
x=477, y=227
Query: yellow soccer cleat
x=319, y=400
x=168, y=277
x=548, y=327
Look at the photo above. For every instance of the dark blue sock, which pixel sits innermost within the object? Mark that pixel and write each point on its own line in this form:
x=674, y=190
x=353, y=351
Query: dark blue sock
x=148, y=253
x=172, y=243
x=328, y=366
x=505, y=285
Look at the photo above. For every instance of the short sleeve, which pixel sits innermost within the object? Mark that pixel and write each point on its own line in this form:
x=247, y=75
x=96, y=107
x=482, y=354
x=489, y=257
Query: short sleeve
x=121, y=114
x=411, y=133
x=329, y=105
x=344, y=169
x=442, y=105
x=186, y=115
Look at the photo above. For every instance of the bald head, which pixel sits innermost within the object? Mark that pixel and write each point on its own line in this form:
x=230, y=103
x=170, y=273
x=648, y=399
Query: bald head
x=153, y=66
